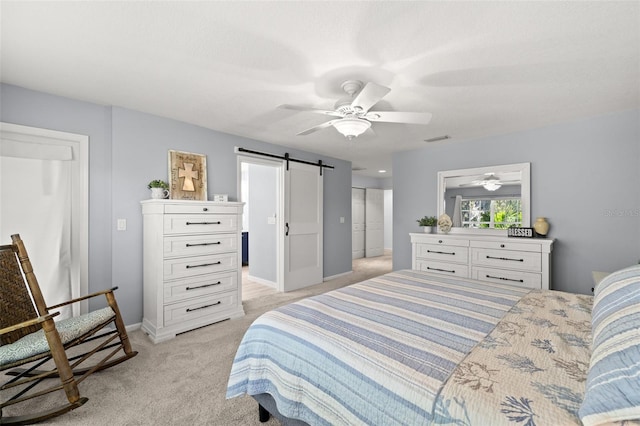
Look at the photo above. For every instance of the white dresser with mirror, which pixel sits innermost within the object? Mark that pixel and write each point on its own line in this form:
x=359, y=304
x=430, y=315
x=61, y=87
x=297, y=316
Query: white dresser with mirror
x=482, y=202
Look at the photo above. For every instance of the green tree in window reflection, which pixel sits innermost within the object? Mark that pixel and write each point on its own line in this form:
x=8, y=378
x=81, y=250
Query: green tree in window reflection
x=499, y=213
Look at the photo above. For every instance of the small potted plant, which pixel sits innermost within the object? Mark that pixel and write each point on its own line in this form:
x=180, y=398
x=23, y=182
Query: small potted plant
x=429, y=224
x=159, y=189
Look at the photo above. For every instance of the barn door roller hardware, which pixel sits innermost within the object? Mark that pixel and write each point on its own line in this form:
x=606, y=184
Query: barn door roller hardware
x=287, y=158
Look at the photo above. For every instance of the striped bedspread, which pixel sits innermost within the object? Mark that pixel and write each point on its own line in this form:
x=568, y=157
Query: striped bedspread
x=376, y=352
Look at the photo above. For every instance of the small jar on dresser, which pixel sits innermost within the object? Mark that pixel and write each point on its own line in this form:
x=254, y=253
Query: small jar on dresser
x=192, y=273
x=524, y=262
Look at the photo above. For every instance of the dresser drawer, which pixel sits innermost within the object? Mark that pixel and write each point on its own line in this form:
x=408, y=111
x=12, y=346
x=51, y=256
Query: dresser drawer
x=455, y=254
x=519, y=260
x=444, y=268
x=506, y=245
x=199, y=224
x=200, y=244
x=197, y=208
x=199, y=265
x=200, y=286
x=523, y=279
x=202, y=307
x=443, y=240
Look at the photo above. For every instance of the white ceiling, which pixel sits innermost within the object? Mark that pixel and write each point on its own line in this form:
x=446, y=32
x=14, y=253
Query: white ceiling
x=481, y=68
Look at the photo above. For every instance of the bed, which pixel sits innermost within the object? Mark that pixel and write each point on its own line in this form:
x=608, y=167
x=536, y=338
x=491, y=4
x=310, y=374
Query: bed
x=413, y=348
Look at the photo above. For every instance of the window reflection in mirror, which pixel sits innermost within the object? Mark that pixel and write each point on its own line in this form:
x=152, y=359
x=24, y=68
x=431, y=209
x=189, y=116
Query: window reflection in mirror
x=486, y=198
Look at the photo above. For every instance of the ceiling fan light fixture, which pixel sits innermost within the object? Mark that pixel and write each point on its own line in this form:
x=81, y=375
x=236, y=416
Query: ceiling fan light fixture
x=491, y=185
x=351, y=127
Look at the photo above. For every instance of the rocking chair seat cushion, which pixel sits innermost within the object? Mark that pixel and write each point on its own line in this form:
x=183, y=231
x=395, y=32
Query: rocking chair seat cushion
x=69, y=329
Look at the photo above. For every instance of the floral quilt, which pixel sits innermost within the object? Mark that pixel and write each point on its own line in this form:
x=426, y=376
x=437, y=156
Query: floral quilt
x=530, y=370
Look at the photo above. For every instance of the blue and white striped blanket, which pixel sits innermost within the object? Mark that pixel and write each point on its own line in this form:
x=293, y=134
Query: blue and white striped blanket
x=377, y=352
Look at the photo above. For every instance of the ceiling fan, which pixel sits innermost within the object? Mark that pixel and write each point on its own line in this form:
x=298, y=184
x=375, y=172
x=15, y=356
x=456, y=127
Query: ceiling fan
x=489, y=181
x=353, y=112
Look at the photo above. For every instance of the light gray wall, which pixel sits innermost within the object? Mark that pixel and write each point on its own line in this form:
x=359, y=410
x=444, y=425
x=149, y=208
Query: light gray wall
x=358, y=181
x=127, y=149
x=262, y=235
x=585, y=178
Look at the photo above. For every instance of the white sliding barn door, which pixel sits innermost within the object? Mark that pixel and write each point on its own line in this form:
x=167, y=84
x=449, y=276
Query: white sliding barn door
x=374, y=219
x=303, y=243
x=43, y=193
x=357, y=223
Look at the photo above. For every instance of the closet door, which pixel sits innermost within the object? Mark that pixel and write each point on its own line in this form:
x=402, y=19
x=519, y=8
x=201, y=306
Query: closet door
x=374, y=219
x=357, y=223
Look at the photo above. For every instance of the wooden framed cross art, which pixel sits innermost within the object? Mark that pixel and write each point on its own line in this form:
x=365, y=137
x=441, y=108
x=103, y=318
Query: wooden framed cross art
x=187, y=176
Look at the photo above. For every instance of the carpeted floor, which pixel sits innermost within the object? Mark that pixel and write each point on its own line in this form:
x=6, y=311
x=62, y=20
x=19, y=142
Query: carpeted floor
x=183, y=381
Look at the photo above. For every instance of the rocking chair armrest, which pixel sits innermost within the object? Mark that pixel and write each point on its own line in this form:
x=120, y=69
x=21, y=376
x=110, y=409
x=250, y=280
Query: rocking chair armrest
x=78, y=299
x=29, y=323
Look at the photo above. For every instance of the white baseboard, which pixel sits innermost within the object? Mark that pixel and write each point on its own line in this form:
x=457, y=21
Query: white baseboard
x=262, y=281
x=133, y=327
x=337, y=276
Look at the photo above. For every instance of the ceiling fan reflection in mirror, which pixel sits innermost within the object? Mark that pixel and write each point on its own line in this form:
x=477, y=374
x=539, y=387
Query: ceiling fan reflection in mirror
x=353, y=112
x=490, y=182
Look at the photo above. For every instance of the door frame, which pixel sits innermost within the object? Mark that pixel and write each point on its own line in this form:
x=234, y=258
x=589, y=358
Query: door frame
x=279, y=166
x=372, y=194
x=80, y=198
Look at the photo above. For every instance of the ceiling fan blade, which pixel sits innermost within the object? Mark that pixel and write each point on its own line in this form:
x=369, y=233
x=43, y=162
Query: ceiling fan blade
x=305, y=109
x=318, y=127
x=369, y=96
x=399, y=117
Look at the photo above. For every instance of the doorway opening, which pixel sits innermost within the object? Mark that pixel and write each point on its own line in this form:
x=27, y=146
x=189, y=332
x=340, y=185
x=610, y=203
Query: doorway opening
x=48, y=206
x=260, y=190
x=372, y=222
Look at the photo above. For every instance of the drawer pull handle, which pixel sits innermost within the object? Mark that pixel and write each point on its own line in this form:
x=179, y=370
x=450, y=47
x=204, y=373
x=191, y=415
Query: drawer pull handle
x=440, y=252
x=205, y=209
x=441, y=270
x=505, y=258
x=203, y=286
x=505, y=279
x=203, y=244
x=204, y=264
x=204, y=223
x=203, y=307
x=440, y=241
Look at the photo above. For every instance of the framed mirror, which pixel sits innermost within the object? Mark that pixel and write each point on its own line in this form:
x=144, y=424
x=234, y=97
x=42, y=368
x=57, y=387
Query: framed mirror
x=486, y=199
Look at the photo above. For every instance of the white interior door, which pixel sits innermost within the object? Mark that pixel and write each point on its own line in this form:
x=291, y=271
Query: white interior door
x=43, y=188
x=303, y=226
x=357, y=223
x=374, y=220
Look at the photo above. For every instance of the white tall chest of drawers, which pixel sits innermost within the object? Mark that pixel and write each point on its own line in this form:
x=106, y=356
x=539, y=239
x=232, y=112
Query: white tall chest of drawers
x=518, y=261
x=192, y=265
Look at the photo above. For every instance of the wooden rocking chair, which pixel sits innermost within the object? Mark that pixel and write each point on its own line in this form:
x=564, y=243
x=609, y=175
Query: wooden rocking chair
x=32, y=340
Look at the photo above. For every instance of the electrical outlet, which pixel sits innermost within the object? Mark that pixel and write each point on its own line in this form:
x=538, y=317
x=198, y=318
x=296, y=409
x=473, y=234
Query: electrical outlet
x=122, y=225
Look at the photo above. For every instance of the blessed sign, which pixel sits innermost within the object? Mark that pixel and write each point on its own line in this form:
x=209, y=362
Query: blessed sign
x=520, y=232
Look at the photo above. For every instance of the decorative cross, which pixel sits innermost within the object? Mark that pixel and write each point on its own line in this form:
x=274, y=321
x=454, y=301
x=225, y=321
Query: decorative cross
x=188, y=174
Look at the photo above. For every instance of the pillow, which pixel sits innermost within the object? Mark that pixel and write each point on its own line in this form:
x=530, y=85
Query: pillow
x=613, y=381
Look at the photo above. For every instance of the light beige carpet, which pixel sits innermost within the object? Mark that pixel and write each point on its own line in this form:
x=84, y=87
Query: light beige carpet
x=183, y=381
